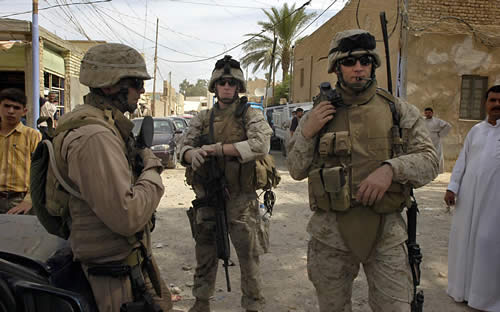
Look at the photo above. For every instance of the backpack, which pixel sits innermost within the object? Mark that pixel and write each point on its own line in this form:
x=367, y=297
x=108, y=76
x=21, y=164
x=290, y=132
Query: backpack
x=50, y=189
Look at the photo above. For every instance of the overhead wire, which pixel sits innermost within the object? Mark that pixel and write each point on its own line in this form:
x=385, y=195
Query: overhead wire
x=162, y=45
x=54, y=6
x=92, y=22
x=395, y=23
x=211, y=4
x=240, y=44
x=164, y=27
x=314, y=20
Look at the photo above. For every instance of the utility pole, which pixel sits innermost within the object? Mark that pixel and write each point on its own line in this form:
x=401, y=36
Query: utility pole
x=403, y=53
x=169, y=93
x=35, y=49
x=154, y=75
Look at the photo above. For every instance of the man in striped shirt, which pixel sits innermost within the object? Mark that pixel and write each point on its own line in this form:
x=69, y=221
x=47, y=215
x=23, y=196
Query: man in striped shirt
x=17, y=143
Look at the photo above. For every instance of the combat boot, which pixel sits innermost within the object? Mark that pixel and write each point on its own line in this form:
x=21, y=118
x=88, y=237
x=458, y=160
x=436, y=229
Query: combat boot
x=200, y=306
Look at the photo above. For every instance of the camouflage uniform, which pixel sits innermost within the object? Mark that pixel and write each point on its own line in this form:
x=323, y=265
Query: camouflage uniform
x=115, y=203
x=245, y=227
x=332, y=264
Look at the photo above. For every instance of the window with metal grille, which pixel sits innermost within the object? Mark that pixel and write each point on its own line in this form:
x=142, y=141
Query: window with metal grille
x=472, y=97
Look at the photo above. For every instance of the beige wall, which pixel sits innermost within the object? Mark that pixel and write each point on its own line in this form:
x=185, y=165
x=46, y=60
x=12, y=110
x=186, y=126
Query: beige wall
x=442, y=49
x=308, y=52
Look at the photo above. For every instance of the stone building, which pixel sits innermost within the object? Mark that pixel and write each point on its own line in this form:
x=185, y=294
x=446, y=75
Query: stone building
x=446, y=56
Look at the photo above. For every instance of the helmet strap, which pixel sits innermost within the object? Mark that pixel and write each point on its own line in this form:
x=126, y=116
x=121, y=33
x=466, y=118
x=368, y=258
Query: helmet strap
x=356, y=87
x=228, y=101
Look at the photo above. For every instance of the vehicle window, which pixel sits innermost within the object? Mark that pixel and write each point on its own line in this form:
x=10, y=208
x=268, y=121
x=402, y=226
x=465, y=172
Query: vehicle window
x=179, y=124
x=162, y=126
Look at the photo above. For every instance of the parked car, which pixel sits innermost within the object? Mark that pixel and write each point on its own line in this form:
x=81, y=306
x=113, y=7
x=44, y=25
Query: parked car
x=179, y=123
x=164, y=143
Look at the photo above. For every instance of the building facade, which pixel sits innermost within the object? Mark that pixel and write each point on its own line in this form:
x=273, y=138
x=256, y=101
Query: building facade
x=59, y=64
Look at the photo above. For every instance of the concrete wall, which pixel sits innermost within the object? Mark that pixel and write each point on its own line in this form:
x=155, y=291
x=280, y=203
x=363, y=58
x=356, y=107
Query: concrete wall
x=308, y=52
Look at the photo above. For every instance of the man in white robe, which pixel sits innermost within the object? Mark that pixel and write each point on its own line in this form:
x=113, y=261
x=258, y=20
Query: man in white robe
x=474, y=246
x=438, y=129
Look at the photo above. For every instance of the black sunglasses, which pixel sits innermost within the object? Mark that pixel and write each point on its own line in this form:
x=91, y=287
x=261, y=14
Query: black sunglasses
x=136, y=83
x=222, y=82
x=350, y=61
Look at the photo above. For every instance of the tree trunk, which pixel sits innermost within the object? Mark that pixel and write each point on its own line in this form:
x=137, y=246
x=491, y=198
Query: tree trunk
x=285, y=61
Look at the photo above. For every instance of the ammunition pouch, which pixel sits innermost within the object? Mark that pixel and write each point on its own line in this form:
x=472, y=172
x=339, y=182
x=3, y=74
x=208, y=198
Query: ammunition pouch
x=394, y=200
x=335, y=143
x=328, y=189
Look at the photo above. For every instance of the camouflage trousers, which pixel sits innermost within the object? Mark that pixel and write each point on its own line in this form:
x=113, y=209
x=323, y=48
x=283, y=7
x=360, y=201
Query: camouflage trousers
x=111, y=292
x=332, y=272
x=249, y=240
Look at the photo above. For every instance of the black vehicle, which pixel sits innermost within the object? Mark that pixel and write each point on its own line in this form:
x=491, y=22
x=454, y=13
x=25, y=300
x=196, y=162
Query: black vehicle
x=37, y=272
x=164, y=142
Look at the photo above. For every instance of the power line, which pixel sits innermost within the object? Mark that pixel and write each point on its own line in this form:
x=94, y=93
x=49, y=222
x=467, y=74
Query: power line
x=242, y=43
x=164, y=46
x=163, y=27
x=219, y=5
x=55, y=6
x=314, y=20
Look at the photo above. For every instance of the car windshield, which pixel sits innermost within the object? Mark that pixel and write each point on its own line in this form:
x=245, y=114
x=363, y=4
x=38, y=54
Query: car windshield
x=162, y=126
x=179, y=124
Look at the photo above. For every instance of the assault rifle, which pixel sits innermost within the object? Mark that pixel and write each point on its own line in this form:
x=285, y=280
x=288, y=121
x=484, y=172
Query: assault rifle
x=414, y=254
x=216, y=195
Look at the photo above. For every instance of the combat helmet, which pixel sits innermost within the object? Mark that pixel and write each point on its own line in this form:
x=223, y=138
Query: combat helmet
x=105, y=64
x=227, y=67
x=351, y=42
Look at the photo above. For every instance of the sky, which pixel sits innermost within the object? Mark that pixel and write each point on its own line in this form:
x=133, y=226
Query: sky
x=191, y=32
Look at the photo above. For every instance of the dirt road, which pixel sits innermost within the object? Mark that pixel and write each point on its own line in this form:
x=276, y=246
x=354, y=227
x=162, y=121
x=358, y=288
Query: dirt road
x=284, y=275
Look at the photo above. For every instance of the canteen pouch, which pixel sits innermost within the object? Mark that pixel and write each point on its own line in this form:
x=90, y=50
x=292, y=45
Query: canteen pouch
x=335, y=185
x=318, y=197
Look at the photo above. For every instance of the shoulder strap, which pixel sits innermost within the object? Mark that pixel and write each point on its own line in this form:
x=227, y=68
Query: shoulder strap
x=57, y=173
x=396, y=132
x=241, y=111
x=392, y=100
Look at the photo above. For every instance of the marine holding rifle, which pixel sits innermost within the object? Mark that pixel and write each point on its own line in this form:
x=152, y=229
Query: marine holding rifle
x=118, y=186
x=220, y=149
x=359, y=174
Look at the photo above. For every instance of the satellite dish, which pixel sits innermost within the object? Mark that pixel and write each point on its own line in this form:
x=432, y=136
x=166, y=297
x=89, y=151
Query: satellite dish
x=260, y=91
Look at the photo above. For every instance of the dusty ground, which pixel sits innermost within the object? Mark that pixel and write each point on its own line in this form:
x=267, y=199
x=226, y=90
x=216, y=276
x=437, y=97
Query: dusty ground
x=285, y=283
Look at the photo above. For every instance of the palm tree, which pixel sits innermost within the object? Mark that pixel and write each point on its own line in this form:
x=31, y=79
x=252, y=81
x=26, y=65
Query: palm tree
x=285, y=26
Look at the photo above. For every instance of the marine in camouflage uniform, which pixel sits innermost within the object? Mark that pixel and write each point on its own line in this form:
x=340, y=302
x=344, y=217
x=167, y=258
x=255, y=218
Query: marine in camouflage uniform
x=358, y=184
x=240, y=140
x=110, y=223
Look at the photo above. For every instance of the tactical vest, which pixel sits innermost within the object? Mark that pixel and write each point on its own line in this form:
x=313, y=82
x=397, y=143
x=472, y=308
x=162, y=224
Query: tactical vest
x=91, y=240
x=351, y=146
x=228, y=128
